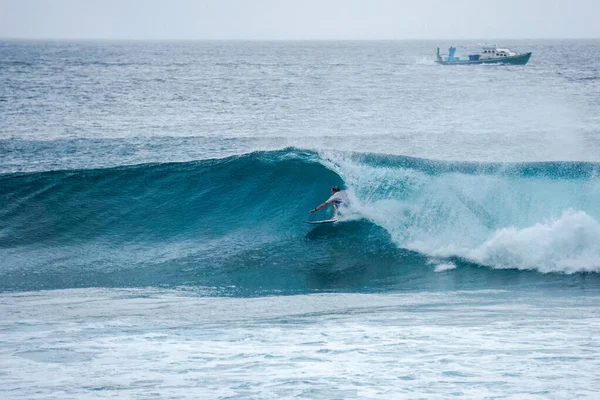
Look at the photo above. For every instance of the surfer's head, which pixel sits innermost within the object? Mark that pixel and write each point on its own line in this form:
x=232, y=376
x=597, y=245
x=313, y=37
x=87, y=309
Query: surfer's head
x=335, y=189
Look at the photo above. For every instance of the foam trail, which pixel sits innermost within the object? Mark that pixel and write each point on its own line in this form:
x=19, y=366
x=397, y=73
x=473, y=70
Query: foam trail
x=568, y=244
x=502, y=216
x=444, y=267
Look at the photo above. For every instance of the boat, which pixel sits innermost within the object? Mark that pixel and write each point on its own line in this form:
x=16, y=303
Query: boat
x=488, y=55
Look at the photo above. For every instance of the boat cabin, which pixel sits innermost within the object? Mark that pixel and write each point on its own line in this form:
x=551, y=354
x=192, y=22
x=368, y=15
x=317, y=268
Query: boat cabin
x=495, y=52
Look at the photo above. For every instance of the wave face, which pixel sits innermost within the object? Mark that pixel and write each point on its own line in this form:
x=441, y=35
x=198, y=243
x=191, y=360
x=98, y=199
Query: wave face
x=235, y=225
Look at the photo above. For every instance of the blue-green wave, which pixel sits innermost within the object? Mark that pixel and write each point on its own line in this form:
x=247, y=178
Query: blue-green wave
x=235, y=225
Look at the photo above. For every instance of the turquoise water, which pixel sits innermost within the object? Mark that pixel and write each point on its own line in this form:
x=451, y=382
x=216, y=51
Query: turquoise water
x=153, y=199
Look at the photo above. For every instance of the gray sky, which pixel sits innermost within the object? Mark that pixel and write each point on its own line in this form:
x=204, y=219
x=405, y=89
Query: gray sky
x=299, y=19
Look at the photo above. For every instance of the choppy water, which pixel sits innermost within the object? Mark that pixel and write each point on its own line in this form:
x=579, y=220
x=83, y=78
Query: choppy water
x=152, y=199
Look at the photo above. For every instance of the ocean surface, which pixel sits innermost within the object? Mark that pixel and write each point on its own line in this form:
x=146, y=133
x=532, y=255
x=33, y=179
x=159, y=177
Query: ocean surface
x=153, y=199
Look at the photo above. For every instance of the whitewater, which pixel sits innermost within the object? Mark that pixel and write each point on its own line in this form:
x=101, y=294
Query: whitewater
x=152, y=236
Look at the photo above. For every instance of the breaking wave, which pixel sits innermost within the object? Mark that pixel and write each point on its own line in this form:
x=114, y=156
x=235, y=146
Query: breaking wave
x=237, y=222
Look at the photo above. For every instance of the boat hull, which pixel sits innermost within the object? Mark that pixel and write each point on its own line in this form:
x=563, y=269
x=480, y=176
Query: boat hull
x=520, y=59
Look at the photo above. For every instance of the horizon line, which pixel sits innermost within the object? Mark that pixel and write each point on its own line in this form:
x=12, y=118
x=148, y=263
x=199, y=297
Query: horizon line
x=63, y=39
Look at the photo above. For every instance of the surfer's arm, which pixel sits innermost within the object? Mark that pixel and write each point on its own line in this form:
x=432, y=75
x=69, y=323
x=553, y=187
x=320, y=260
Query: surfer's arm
x=320, y=206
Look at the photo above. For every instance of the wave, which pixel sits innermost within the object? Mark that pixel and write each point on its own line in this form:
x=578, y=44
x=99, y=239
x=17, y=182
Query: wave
x=541, y=216
x=238, y=222
x=151, y=202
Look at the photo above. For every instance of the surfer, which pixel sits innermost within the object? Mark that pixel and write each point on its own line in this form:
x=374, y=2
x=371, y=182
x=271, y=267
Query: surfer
x=339, y=198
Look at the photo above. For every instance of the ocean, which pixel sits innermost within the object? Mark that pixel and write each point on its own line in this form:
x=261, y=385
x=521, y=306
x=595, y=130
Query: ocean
x=153, y=199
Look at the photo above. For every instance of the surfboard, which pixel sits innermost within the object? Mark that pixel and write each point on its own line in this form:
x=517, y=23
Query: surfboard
x=326, y=221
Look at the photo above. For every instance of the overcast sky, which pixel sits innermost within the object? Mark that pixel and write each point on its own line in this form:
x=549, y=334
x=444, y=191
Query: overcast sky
x=299, y=19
